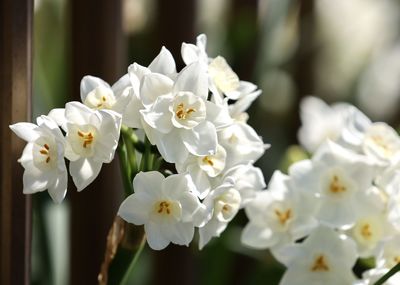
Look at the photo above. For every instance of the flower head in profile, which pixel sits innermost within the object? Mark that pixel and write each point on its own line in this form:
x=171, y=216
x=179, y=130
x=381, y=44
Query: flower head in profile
x=43, y=158
x=222, y=205
x=91, y=140
x=167, y=207
x=223, y=80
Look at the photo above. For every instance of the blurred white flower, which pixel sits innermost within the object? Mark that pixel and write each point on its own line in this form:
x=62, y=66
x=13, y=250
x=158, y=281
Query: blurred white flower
x=379, y=85
x=320, y=122
x=325, y=257
x=43, y=158
x=167, y=207
x=279, y=216
x=339, y=178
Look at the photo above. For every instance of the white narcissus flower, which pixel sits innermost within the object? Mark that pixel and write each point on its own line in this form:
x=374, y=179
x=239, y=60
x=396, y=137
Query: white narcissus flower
x=242, y=144
x=222, y=79
x=372, y=225
x=378, y=141
x=320, y=122
x=97, y=94
x=222, y=205
x=167, y=207
x=279, y=215
x=325, y=257
x=148, y=83
x=204, y=169
x=183, y=121
x=382, y=143
x=247, y=179
x=339, y=178
x=43, y=158
x=92, y=138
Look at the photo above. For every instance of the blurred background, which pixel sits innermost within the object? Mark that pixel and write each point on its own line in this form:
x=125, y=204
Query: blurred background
x=343, y=50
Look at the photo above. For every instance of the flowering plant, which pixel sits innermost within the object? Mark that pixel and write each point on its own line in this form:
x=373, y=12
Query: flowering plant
x=187, y=160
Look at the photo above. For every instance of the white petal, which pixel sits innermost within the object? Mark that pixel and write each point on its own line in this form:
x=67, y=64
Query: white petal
x=164, y=63
x=58, y=115
x=131, y=116
x=135, y=208
x=84, y=171
x=201, y=41
x=201, y=180
x=218, y=115
x=58, y=190
x=190, y=53
x=175, y=185
x=26, y=131
x=256, y=237
x=89, y=83
x=182, y=233
x=172, y=148
x=193, y=78
x=243, y=103
x=153, y=86
x=201, y=140
x=78, y=113
x=123, y=92
x=35, y=180
x=158, y=116
x=148, y=182
x=155, y=237
x=212, y=229
x=136, y=73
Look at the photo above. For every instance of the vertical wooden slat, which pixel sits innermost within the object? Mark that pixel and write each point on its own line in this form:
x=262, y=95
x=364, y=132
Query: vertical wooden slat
x=15, y=94
x=97, y=49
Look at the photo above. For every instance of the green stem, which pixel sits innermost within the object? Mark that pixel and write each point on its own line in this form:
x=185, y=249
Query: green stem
x=125, y=167
x=131, y=153
x=128, y=272
x=389, y=274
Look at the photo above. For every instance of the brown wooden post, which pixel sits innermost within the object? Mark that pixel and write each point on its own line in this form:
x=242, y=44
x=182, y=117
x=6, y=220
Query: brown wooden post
x=15, y=95
x=175, y=24
x=97, y=49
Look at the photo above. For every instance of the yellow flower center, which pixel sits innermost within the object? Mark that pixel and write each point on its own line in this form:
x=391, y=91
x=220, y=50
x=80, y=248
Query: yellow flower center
x=208, y=161
x=182, y=113
x=164, y=207
x=283, y=216
x=46, y=151
x=87, y=138
x=336, y=186
x=320, y=264
x=366, y=231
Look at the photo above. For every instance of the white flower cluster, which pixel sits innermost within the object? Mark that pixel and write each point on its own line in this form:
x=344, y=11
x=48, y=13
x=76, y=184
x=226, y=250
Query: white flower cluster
x=338, y=206
x=196, y=119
